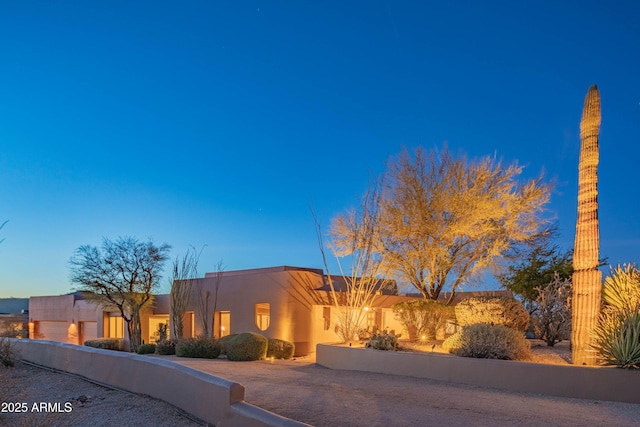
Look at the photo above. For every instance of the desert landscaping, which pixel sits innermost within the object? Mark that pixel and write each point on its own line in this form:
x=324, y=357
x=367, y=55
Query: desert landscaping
x=304, y=391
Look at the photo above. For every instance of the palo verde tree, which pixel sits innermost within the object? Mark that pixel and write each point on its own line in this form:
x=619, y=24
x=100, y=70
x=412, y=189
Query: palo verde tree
x=121, y=274
x=443, y=220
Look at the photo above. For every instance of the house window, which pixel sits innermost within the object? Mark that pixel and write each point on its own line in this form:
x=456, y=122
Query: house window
x=222, y=322
x=326, y=317
x=116, y=326
x=371, y=318
x=155, y=323
x=263, y=313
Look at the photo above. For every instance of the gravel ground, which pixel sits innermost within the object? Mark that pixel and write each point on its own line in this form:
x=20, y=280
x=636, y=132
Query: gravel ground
x=304, y=391
x=71, y=401
x=307, y=392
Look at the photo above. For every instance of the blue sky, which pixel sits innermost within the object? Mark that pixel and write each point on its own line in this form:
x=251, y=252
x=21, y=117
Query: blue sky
x=219, y=123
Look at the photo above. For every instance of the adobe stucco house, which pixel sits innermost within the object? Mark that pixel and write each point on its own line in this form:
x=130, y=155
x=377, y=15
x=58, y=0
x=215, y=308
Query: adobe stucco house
x=74, y=319
x=289, y=303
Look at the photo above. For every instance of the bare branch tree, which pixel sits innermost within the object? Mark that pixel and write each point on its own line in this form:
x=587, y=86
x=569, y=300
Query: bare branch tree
x=185, y=272
x=361, y=270
x=122, y=274
x=2, y=225
x=552, y=322
x=219, y=271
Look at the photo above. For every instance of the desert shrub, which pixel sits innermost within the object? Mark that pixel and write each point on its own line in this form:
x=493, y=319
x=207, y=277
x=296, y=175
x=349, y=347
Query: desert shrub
x=617, y=334
x=14, y=330
x=552, y=322
x=147, y=349
x=246, y=346
x=453, y=343
x=384, y=340
x=106, y=343
x=8, y=353
x=504, y=311
x=492, y=342
x=166, y=347
x=280, y=349
x=224, y=340
x=201, y=347
x=422, y=317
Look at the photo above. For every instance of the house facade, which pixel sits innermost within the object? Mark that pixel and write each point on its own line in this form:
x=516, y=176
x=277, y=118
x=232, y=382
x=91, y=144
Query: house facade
x=75, y=318
x=290, y=303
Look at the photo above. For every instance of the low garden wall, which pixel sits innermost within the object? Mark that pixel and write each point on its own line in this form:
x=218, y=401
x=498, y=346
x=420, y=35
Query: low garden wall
x=209, y=398
x=599, y=383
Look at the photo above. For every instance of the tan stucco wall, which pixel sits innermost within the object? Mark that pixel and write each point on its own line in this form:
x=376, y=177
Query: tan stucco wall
x=287, y=293
x=214, y=400
x=295, y=303
x=556, y=380
x=61, y=308
x=65, y=308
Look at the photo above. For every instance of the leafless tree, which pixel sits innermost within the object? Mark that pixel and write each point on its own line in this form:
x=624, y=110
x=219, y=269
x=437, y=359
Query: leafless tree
x=122, y=274
x=352, y=241
x=552, y=321
x=185, y=271
x=218, y=272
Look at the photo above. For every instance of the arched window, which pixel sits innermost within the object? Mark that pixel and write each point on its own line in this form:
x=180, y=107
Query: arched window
x=263, y=313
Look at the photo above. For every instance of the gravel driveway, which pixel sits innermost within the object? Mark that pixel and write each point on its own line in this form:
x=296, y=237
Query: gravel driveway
x=307, y=392
x=301, y=390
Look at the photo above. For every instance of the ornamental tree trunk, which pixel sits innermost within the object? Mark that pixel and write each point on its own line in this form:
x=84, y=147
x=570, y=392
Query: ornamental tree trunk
x=134, y=328
x=587, y=280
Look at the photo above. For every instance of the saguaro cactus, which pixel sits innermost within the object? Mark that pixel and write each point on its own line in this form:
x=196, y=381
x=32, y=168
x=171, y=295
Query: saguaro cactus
x=587, y=279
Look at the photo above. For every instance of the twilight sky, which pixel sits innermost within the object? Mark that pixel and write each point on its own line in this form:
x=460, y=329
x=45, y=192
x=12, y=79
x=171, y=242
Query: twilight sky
x=219, y=123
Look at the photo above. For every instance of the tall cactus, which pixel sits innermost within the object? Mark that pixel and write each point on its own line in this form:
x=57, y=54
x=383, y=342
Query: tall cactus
x=587, y=279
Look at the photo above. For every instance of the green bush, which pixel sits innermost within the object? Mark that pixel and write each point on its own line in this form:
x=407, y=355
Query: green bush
x=504, y=311
x=423, y=318
x=453, y=343
x=201, y=347
x=224, y=340
x=247, y=346
x=106, y=343
x=280, y=349
x=385, y=340
x=490, y=342
x=147, y=349
x=166, y=347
